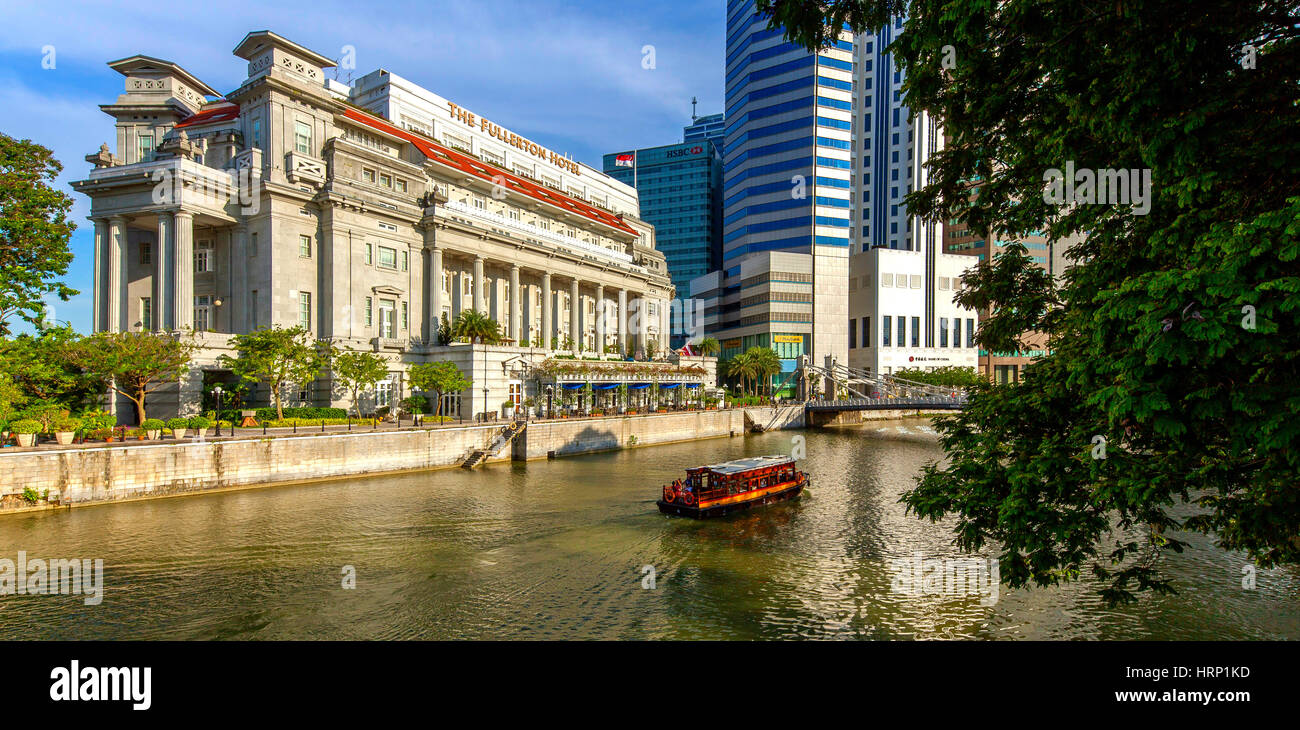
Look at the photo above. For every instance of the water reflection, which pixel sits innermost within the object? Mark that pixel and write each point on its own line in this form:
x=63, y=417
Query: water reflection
x=555, y=549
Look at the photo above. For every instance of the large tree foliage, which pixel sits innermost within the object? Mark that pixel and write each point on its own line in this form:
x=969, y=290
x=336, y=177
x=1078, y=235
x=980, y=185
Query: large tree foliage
x=475, y=326
x=1174, y=337
x=356, y=370
x=278, y=356
x=440, y=378
x=134, y=363
x=34, y=231
x=37, y=365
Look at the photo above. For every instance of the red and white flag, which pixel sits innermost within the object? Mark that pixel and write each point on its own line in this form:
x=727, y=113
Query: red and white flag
x=624, y=160
x=688, y=350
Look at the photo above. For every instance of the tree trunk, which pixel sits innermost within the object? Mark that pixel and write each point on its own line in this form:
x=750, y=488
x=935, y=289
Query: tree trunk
x=139, y=408
x=279, y=407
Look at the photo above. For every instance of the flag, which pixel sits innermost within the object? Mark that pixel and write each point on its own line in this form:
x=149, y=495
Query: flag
x=623, y=160
x=688, y=351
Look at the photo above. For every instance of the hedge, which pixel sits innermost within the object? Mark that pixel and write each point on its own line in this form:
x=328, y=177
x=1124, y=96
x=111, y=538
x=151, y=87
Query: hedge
x=269, y=414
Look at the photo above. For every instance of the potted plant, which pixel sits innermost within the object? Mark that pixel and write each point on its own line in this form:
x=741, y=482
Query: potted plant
x=65, y=429
x=4, y=432
x=178, y=426
x=152, y=428
x=530, y=404
x=508, y=409
x=26, y=430
x=200, y=424
x=100, y=434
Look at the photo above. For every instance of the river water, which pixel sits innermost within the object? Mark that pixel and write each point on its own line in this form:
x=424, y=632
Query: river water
x=557, y=549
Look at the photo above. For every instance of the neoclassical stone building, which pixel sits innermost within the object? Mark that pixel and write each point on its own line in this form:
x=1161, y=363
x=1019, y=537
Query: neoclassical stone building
x=364, y=214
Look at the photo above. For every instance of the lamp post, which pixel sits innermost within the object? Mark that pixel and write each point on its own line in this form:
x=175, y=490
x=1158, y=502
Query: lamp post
x=217, y=392
x=550, y=391
x=415, y=391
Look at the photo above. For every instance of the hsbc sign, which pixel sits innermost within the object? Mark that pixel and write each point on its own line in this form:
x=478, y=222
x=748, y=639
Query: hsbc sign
x=697, y=149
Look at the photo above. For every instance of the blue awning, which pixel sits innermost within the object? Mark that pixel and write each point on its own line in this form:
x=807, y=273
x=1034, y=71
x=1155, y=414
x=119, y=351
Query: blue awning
x=692, y=385
x=637, y=386
x=666, y=386
x=604, y=386
x=572, y=386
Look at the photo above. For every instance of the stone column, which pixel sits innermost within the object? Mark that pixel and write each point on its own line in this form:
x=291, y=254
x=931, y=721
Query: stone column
x=117, y=278
x=514, y=303
x=546, y=311
x=480, y=301
x=574, y=320
x=600, y=319
x=622, y=322
x=434, y=289
x=100, y=285
x=183, y=268
x=665, y=325
x=164, y=250
x=240, y=291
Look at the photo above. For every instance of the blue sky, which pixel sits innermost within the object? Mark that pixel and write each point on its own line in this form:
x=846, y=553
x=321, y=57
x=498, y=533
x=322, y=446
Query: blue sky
x=568, y=75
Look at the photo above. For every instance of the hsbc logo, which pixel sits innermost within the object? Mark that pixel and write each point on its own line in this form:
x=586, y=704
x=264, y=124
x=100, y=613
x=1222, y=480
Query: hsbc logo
x=697, y=149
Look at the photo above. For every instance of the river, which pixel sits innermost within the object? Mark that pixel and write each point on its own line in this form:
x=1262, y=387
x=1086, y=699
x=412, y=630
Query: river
x=558, y=549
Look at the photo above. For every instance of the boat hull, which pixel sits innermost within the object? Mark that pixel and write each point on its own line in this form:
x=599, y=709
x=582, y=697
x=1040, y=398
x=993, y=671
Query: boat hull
x=676, y=508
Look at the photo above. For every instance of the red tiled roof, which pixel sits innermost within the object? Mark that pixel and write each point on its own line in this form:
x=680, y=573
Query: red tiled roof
x=217, y=111
x=489, y=172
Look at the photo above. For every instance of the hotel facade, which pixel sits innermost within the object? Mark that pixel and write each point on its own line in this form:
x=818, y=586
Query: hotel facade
x=366, y=215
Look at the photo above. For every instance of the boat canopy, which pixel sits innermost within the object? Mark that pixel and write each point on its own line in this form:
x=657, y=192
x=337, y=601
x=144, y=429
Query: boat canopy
x=746, y=464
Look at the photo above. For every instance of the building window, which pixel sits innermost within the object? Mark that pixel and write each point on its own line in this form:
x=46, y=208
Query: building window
x=146, y=313
x=386, y=180
x=886, y=279
x=884, y=331
x=406, y=260
x=480, y=203
x=387, y=257
x=400, y=185
x=146, y=146
x=902, y=331
x=302, y=137
x=368, y=175
x=386, y=324
x=304, y=246
x=1004, y=374
x=970, y=332
x=257, y=133
x=956, y=332
x=916, y=332
x=252, y=244
x=304, y=310
x=405, y=321
x=370, y=316
x=146, y=253
x=203, y=258
x=203, y=313
x=943, y=332
x=370, y=254
x=853, y=334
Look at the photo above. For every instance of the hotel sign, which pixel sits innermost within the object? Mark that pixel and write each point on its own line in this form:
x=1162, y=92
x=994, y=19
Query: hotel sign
x=466, y=117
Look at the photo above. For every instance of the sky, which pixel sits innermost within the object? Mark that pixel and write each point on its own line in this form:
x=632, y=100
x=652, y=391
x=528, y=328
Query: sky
x=568, y=75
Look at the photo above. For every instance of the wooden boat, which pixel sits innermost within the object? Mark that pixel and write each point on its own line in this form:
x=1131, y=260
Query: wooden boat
x=719, y=489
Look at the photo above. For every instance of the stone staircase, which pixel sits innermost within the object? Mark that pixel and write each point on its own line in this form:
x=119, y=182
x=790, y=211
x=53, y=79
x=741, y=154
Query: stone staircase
x=503, y=439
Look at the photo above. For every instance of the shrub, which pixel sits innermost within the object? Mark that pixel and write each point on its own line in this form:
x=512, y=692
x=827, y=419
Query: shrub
x=199, y=423
x=66, y=424
x=177, y=424
x=100, y=433
x=269, y=413
x=26, y=426
x=508, y=404
x=152, y=424
x=30, y=495
x=94, y=420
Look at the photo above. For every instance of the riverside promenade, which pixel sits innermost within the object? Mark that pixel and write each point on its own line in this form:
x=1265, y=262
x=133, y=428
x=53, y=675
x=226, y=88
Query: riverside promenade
x=81, y=474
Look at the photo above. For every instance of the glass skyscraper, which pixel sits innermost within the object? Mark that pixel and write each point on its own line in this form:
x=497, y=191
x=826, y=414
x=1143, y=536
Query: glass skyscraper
x=679, y=186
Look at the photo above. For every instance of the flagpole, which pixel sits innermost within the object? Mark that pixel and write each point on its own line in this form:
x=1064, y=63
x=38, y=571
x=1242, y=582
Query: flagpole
x=638, y=197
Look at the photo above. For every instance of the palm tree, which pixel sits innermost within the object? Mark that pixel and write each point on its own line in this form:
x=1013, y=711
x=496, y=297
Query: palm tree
x=765, y=364
x=709, y=346
x=474, y=326
x=742, y=367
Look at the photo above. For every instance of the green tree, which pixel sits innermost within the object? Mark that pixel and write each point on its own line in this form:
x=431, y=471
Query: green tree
x=440, y=378
x=765, y=365
x=948, y=376
x=356, y=370
x=276, y=356
x=38, y=365
x=134, y=363
x=444, y=330
x=34, y=231
x=474, y=326
x=709, y=346
x=1174, y=336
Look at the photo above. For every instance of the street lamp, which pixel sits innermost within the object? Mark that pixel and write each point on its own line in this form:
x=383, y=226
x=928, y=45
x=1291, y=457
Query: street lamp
x=550, y=391
x=415, y=390
x=217, y=392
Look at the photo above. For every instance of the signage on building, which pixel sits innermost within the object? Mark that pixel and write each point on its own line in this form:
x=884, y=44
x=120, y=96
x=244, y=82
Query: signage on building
x=731, y=343
x=697, y=149
x=463, y=116
x=928, y=359
x=788, y=338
